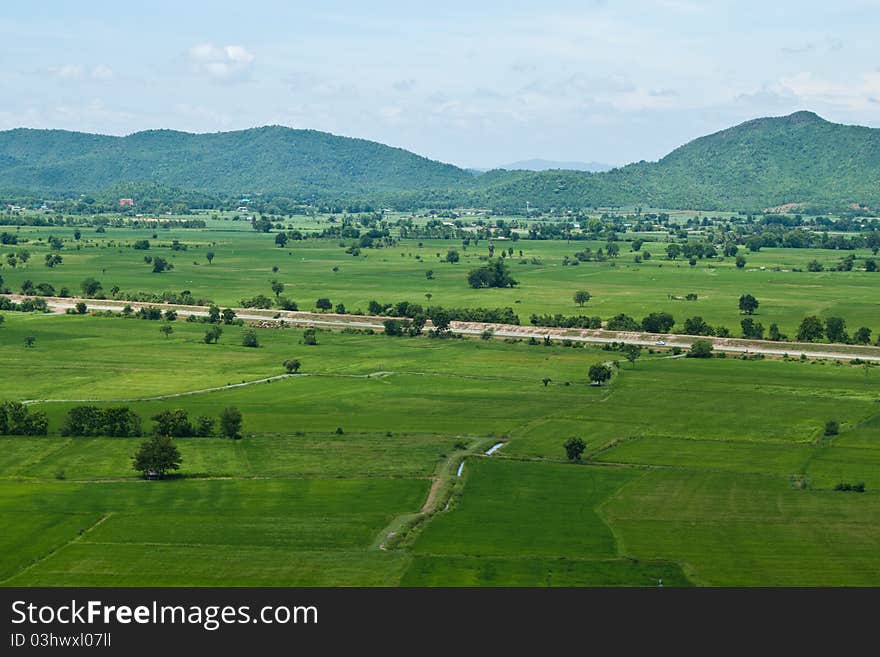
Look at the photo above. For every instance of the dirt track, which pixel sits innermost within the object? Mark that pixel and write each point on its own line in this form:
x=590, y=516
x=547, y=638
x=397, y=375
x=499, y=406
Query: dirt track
x=600, y=336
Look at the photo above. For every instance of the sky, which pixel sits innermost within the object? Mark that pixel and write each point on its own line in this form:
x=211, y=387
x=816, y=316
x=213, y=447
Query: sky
x=477, y=83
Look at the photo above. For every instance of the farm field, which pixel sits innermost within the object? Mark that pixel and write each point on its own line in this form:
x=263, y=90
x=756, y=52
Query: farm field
x=696, y=472
x=315, y=268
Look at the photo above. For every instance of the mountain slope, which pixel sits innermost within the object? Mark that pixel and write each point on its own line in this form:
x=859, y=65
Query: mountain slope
x=268, y=159
x=800, y=158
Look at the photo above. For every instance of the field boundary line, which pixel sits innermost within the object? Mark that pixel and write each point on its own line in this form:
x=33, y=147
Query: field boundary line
x=56, y=550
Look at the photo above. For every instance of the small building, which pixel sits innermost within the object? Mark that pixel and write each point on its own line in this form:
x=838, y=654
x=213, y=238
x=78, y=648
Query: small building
x=126, y=202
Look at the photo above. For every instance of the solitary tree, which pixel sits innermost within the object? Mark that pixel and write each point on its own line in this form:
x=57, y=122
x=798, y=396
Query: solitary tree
x=632, y=352
x=581, y=297
x=599, y=373
x=210, y=256
x=166, y=329
x=277, y=286
x=29, y=341
x=228, y=315
x=546, y=380
x=157, y=456
x=574, y=447
x=212, y=335
x=452, y=256
x=700, y=349
x=230, y=423
x=292, y=365
x=748, y=304
x=323, y=304
x=81, y=308
x=90, y=287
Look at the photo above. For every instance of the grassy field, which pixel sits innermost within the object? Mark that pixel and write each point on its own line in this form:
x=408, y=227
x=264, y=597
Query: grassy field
x=707, y=472
x=243, y=267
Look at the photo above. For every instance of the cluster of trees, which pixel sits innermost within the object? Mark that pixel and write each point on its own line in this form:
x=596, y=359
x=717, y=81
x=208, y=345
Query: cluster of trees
x=121, y=421
x=26, y=305
x=16, y=419
x=493, y=274
x=400, y=327
x=96, y=421
x=566, y=321
x=813, y=328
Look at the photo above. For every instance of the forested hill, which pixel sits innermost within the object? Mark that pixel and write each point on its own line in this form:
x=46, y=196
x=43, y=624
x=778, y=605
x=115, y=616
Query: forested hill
x=271, y=159
x=800, y=158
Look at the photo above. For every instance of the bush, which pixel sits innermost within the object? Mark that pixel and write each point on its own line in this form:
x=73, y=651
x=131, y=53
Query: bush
x=832, y=428
x=700, y=349
x=249, y=339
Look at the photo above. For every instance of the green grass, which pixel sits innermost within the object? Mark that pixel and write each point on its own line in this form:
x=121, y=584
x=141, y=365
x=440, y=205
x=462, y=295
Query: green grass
x=244, y=260
x=527, y=509
x=699, y=490
x=749, y=530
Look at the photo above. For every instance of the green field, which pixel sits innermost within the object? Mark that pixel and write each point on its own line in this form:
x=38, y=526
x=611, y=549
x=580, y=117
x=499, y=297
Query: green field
x=706, y=472
x=315, y=268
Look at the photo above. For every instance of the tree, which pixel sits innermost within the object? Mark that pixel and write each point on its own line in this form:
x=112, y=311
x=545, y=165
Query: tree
x=660, y=322
x=574, y=448
x=748, y=304
x=775, y=334
x=494, y=274
x=632, y=353
x=441, y=320
x=281, y=240
x=697, y=326
x=173, y=423
x=90, y=287
x=230, y=423
x=249, y=339
x=581, y=297
x=673, y=251
x=157, y=456
x=832, y=428
x=740, y=262
x=212, y=335
x=870, y=265
x=815, y=266
x=310, y=337
x=228, y=315
x=429, y=274
x=210, y=257
x=166, y=329
x=29, y=341
x=452, y=256
x=835, y=329
x=16, y=419
x=751, y=329
x=213, y=314
x=292, y=365
x=622, y=322
x=700, y=349
x=546, y=381
x=277, y=286
x=81, y=308
x=205, y=426
x=599, y=373
x=323, y=304
x=160, y=265
x=811, y=329
x=862, y=336
x=53, y=259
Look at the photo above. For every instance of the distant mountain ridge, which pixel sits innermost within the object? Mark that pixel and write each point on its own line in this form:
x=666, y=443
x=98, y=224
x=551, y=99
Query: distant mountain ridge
x=538, y=164
x=766, y=162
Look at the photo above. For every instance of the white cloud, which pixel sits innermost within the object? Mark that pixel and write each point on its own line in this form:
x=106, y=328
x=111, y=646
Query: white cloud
x=68, y=71
x=221, y=63
x=102, y=72
x=859, y=94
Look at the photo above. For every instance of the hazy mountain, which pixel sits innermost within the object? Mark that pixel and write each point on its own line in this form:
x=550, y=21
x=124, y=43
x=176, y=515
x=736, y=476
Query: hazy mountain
x=546, y=165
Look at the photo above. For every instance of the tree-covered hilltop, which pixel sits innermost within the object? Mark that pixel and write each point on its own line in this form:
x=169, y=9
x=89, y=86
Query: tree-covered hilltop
x=767, y=162
x=800, y=158
x=269, y=159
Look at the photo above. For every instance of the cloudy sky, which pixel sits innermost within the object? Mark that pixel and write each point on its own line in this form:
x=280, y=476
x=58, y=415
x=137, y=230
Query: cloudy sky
x=477, y=83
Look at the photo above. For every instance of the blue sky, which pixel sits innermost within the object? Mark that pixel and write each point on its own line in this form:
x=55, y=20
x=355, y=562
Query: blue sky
x=472, y=83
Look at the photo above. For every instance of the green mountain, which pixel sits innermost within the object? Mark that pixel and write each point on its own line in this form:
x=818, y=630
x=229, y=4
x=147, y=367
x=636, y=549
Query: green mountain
x=800, y=158
x=271, y=159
